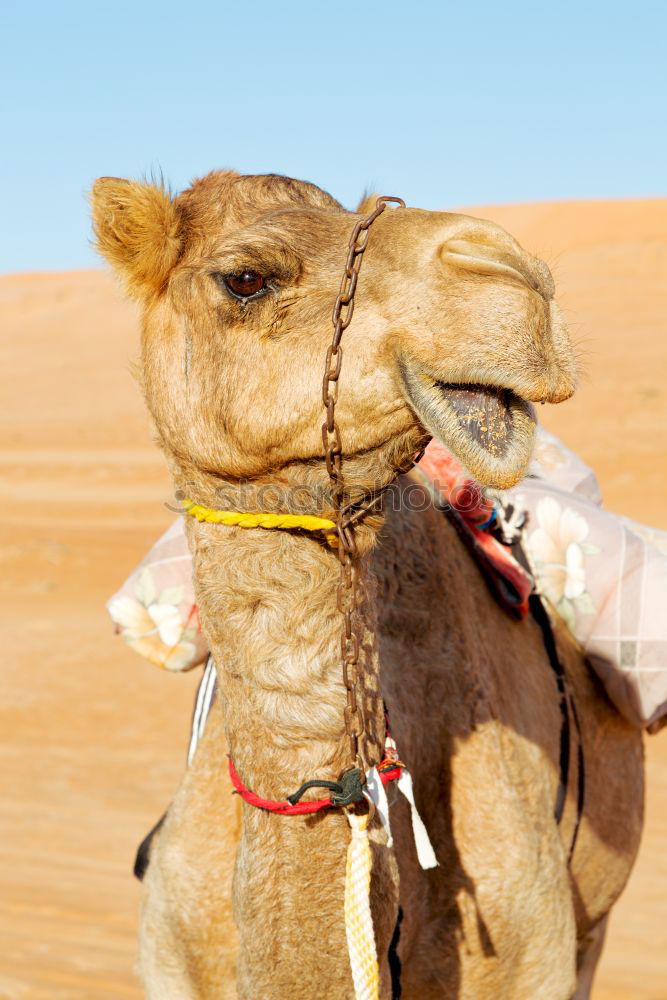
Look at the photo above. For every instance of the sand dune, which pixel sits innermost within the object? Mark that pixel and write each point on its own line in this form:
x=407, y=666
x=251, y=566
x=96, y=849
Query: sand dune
x=92, y=738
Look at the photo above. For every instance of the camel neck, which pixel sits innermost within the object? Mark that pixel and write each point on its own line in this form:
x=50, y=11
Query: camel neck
x=268, y=605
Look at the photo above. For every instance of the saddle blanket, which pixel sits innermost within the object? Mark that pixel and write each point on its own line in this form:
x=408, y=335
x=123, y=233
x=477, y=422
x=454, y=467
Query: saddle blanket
x=603, y=574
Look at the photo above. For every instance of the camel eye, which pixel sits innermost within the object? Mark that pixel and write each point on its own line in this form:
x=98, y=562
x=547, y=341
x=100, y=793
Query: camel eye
x=246, y=284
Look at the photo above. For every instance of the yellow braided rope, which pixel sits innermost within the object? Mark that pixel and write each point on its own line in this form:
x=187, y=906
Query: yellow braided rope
x=358, y=920
x=241, y=519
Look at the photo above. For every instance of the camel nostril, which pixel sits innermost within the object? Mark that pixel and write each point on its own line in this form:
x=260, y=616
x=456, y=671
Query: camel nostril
x=485, y=259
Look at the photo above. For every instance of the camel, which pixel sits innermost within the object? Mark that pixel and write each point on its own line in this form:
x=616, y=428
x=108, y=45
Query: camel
x=236, y=277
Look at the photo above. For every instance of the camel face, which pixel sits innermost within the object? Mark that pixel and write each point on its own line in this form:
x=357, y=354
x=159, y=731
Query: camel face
x=455, y=330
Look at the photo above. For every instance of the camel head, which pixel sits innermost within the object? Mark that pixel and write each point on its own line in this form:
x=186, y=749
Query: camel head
x=455, y=330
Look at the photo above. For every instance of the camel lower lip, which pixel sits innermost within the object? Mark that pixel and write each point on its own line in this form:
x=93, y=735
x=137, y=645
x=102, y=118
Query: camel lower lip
x=489, y=428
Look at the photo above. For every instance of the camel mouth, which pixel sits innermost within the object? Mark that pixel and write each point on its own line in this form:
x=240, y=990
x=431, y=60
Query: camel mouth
x=489, y=428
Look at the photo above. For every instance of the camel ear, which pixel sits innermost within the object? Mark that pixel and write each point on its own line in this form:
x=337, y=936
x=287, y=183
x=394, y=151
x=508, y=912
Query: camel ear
x=367, y=203
x=138, y=229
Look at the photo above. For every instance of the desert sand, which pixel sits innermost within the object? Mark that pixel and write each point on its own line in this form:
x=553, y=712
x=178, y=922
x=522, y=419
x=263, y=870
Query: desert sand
x=93, y=738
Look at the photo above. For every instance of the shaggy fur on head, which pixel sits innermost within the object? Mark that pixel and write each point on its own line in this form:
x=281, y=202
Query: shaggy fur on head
x=245, y=904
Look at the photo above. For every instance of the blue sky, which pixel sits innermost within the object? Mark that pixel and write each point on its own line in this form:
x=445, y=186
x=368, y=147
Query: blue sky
x=446, y=104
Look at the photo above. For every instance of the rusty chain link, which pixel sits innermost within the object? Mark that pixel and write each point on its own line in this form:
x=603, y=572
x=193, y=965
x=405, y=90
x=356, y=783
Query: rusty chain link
x=346, y=517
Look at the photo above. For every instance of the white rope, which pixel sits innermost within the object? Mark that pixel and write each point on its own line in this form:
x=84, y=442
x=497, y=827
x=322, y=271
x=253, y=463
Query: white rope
x=376, y=792
x=358, y=920
x=425, y=853
x=203, y=702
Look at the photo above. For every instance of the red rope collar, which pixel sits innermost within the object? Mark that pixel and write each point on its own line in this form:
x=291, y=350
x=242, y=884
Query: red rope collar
x=389, y=770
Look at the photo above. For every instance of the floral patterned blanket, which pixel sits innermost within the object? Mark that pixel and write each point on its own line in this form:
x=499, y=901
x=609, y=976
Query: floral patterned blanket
x=604, y=575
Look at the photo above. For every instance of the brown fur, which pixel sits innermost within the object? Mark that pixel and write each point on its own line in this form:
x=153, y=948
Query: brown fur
x=243, y=903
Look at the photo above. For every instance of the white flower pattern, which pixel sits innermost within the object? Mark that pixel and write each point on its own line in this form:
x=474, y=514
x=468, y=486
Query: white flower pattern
x=557, y=549
x=152, y=624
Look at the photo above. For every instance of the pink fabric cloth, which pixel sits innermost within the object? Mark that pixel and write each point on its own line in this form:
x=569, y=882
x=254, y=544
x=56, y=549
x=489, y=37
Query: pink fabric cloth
x=452, y=486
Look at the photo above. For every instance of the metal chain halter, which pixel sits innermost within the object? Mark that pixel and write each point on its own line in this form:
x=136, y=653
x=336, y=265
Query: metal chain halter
x=349, y=788
x=347, y=515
